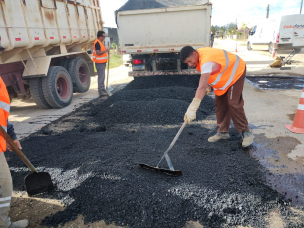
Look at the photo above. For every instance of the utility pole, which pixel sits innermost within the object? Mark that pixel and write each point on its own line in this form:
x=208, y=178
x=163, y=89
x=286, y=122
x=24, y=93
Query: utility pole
x=267, y=15
x=301, y=6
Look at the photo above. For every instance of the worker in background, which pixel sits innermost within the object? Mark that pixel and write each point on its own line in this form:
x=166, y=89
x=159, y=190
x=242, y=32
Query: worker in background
x=100, y=57
x=6, y=186
x=225, y=73
x=211, y=39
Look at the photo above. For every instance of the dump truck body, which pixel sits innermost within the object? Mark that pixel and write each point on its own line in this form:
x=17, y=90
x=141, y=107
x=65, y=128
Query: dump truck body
x=39, y=34
x=154, y=37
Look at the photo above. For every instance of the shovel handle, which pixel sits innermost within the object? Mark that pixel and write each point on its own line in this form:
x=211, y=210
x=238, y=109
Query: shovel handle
x=108, y=71
x=17, y=150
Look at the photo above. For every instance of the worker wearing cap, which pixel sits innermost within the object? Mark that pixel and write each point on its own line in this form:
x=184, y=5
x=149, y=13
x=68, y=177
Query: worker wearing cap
x=6, y=186
x=225, y=73
x=100, y=58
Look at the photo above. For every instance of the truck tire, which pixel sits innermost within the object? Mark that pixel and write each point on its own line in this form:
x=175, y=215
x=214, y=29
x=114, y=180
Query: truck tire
x=297, y=50
x=65, y=63
x=37, y=94
x=57, y=87
x=80, y=74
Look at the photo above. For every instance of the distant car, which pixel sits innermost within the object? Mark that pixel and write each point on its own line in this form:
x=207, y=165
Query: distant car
x=127, y=60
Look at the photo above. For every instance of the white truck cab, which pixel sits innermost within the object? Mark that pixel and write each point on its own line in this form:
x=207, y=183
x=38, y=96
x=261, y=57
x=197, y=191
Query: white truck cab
x=286, y=33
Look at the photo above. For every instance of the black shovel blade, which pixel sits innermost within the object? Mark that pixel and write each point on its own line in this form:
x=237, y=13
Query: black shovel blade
x=166, y=171
x=36, y=183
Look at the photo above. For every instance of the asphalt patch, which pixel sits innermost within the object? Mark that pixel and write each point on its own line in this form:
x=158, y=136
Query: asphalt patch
x=92, y=156
x=276, y=82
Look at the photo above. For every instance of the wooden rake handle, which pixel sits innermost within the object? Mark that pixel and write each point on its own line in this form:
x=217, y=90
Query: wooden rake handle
x=17, y=150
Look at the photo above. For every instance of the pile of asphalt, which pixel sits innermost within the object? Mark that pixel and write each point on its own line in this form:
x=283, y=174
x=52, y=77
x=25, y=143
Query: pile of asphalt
x=92, y=157
x=151, y=4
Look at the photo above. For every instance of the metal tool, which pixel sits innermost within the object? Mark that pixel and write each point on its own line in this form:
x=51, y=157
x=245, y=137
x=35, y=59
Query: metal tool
x=107, y=85
x=287, y=60
x=171, y=170
x=35, y=183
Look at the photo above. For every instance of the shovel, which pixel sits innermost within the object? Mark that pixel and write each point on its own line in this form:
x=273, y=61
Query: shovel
x=171, y=170
x=107, y=85
x=35, y=183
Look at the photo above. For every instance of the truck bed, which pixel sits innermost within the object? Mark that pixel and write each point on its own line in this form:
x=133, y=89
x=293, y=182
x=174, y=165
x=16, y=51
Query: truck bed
x=163, y=30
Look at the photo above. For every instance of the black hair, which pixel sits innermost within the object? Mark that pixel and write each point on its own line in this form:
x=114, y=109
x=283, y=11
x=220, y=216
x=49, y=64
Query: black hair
x=100, y=33
x=186, y=52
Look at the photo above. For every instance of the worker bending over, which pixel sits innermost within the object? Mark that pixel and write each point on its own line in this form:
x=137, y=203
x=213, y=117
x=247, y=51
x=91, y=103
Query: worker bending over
x=6, y=186
x=225, y=73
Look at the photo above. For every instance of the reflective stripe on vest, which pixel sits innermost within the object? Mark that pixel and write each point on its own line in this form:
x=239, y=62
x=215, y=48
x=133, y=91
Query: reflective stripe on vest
x=94, y=57
x=236, y=65
x=4, y=112
x=5, y=106
x=232, y=68
x=220, y=75
x=100, y=58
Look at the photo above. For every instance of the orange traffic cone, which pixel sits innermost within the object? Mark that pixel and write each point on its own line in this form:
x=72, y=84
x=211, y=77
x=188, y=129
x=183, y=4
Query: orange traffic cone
x=236, y=47
x=298, y=122
x=273, y=52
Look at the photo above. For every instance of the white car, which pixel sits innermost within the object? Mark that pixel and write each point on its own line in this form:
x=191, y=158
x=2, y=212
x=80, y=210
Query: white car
x=127, y=60
x=286, y=33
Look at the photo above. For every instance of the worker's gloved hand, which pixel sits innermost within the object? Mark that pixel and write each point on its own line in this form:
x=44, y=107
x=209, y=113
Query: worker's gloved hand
x=191, y=111
x=208, y=90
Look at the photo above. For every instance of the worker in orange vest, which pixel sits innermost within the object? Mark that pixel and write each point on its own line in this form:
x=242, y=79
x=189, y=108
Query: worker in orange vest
x=100, y=58
x=225, y=73
x=6, y=186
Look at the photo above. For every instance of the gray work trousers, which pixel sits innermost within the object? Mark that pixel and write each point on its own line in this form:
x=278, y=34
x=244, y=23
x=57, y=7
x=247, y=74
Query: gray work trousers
x=6, y=189
x=101, y=68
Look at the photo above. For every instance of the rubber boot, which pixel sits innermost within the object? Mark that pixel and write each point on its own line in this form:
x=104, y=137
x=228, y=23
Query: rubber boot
x=19, y=224
x=247, y=138
x=218, y=136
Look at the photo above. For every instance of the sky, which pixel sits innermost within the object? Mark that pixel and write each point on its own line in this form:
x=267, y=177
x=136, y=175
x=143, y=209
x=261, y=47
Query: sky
x=223, y=11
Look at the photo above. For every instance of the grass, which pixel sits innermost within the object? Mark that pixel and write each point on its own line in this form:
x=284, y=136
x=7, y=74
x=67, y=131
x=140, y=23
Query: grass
x=115, y=60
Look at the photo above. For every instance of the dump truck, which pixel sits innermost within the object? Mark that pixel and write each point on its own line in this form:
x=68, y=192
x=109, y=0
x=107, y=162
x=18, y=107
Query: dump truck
x=154, y=32
x=44, y=44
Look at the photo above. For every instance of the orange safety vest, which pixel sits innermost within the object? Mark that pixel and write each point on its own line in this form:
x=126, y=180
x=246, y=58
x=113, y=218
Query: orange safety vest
x=4, y=112
x=232, y=68
x=100, y=58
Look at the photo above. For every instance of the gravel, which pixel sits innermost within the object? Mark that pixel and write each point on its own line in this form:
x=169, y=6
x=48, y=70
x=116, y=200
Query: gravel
x=92, y=156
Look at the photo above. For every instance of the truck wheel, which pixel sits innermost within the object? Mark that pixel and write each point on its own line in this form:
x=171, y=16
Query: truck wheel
x=80, y=74
x=270, y=48
x=37, y=94
x=57, y=87
x=249, y=48
x=297, y=50
x=65, y=63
